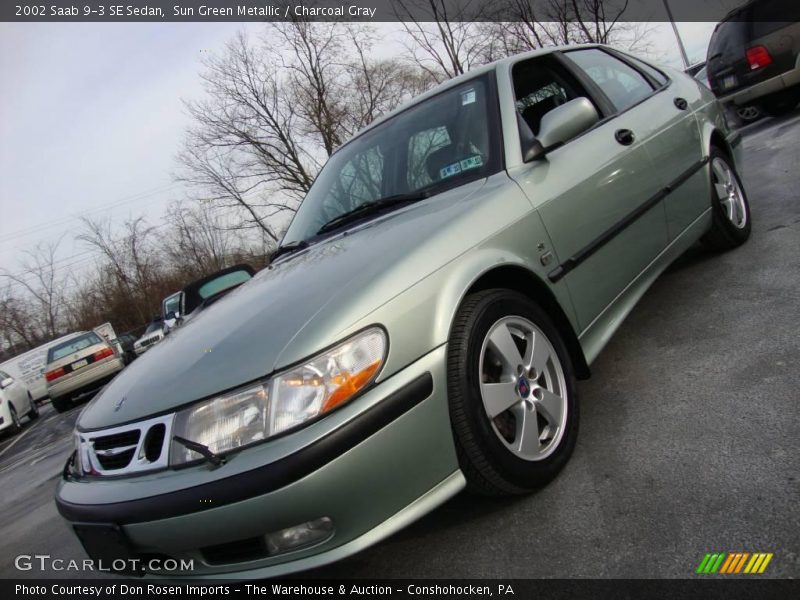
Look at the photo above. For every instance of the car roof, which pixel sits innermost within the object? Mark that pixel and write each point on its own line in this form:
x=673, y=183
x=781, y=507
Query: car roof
x=471, y=74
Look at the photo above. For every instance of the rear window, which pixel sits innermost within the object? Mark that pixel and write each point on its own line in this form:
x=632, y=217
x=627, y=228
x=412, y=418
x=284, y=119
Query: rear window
x=71, y=346
x=220, y=284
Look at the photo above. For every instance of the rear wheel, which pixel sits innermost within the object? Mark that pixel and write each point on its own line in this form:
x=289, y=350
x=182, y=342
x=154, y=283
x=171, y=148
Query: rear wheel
x=512, y=394
x=62, y=404
x=33, y=413
x=730, y=209
x=16, y=426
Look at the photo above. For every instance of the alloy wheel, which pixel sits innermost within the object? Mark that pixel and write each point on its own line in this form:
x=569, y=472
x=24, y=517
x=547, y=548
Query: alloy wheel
x=729, y=192
x=523, y=388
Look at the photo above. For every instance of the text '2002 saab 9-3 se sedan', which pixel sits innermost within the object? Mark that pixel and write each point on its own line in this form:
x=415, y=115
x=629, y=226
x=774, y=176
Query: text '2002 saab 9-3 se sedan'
x=454, y=269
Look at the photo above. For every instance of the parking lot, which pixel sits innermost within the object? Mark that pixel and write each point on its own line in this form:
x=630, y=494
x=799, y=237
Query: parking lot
x=688, y=444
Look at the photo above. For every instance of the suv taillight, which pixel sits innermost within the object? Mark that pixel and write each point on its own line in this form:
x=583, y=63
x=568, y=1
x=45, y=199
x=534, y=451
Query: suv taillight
x=54, y=374
x=104, y=353
x=758, y=57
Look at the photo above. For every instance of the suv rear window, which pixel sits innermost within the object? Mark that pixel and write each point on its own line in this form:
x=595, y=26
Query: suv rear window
x=71, y=346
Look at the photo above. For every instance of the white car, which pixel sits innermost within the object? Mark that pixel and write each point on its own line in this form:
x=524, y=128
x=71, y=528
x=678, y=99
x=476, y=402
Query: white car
x=15, y=402
x=151, y=336
x=82, y=363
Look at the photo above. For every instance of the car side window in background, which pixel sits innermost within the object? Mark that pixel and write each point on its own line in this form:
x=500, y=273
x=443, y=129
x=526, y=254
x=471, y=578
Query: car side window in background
x=623, y=84
x=768, y=16
x=539, y=87
x=651, y=71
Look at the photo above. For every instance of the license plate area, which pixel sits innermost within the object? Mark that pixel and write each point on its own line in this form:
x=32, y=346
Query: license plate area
x=109, y=547
x=79, y=364
x=728, y=82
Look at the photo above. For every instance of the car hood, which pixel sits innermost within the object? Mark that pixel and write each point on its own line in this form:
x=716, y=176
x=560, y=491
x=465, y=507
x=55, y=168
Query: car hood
x=255, y=330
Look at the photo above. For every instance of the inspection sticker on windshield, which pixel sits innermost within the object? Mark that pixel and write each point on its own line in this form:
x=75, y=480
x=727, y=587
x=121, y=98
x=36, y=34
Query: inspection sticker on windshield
x=473, y=162
x=467, y=97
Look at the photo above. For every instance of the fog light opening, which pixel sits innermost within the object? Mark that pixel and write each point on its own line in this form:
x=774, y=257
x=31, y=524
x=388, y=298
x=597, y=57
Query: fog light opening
x=300, y=536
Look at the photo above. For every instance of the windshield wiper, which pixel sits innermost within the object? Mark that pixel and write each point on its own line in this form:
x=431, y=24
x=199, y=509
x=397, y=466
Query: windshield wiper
x=201, y=449
x=289, y=248
x=369, y=208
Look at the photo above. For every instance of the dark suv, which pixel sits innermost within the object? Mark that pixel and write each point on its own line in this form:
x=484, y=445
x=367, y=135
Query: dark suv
x=754, y=56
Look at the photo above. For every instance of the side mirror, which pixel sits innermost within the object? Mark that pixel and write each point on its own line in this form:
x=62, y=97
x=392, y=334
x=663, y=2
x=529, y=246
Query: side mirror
x=6, y=382
x=170, y=315
x=562, y=124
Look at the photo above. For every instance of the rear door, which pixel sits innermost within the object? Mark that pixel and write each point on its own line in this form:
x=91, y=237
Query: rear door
x=675, y=146
x=596, y=194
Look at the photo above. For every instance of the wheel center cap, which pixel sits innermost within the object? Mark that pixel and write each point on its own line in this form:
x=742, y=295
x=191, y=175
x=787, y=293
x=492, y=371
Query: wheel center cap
x=523, y=387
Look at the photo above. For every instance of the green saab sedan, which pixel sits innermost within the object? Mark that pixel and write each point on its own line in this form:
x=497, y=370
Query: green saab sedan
x=453, y=271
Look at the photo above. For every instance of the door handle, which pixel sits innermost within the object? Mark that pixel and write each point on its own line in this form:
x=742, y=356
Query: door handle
x=624, y=136
x=681, y=103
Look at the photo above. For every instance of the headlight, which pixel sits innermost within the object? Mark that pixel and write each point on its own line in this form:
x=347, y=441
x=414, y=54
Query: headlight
x=258, y=411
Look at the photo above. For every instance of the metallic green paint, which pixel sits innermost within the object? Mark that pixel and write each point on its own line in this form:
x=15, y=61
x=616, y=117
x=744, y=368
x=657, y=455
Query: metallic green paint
x=409, y=271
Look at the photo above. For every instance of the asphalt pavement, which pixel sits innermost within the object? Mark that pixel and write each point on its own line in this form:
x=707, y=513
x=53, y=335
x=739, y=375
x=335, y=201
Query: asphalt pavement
x=688, y=438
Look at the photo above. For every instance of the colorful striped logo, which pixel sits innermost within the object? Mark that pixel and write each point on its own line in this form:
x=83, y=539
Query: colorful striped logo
x=734, y=563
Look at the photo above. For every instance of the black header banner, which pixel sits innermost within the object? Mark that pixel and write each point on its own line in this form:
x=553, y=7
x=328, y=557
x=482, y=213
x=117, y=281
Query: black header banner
x=394, y=10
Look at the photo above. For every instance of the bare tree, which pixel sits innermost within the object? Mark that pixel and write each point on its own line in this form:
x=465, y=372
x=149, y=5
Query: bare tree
x=521, y=25
x=199, y=240
x=131, y=262
x=43, y=286
x=444, y=37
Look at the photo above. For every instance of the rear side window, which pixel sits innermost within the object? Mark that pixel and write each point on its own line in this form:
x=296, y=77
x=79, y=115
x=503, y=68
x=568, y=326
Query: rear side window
x=623, y=84
x=768, y=16
x=74, y=345
x=651, y=71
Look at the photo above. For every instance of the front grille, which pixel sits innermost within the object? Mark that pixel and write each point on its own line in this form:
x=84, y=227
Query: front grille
x=127, y=449
x=154, y=442
x=108, y=442
x=116, y=461
x=151, y=341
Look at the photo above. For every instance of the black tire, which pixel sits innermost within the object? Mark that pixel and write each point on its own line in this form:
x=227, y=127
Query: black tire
x=16, y=426
x=780, y=104
x=488, y=465
x=33, y=413
x=62, y=404
x=725, y=235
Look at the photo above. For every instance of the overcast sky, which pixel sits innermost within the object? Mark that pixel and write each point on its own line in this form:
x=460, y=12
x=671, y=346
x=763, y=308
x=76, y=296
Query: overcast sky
x=91, y=119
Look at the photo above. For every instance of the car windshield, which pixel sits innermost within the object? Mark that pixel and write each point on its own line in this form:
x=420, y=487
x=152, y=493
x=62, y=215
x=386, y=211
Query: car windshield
x=222, y=283
x=74, y=345
x=444, y=141
x=154, y=326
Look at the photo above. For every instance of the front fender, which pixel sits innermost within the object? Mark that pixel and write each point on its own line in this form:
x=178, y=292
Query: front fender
x=419, y=319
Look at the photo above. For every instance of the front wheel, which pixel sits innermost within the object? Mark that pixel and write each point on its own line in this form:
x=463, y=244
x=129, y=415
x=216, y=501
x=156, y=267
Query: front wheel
x=33, y=413
x=730, y=210
x=511, y=392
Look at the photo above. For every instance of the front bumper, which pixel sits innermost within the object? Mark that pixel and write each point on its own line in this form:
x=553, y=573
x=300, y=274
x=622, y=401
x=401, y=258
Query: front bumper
x=751, y=94
x=373, y=466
